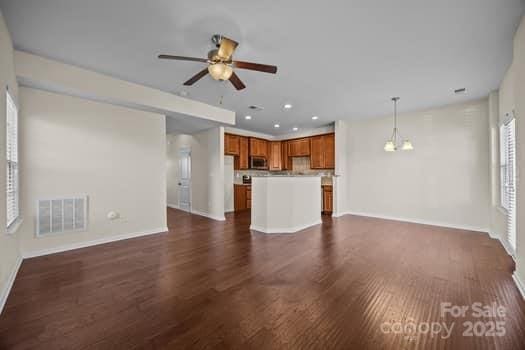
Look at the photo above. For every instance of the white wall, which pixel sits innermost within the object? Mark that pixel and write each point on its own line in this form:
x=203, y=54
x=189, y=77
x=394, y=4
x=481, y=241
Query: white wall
x=444, y=181
x=9, y=245
x=207, y=171
x=296, y=134
x=114, y=155
x=37, y=71
x=228, y=184
x=282, y=204
x=498, y=219
x=512, y=98
x=519, y=98
x=501, y=103
x=340, y=181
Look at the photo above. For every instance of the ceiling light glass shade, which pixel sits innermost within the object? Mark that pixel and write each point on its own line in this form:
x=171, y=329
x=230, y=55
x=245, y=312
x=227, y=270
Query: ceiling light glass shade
x=220, y=71
x=390, y=146
x=407, y=146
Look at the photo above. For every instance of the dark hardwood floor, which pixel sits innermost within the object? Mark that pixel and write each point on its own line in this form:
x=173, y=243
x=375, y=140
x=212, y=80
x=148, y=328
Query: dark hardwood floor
x=208, y=284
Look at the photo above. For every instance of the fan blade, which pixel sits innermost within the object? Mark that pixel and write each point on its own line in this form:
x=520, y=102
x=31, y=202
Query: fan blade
x=183, y=58
x=226, y=48
x=239, y=85
x=197, y=76
x=255, y=66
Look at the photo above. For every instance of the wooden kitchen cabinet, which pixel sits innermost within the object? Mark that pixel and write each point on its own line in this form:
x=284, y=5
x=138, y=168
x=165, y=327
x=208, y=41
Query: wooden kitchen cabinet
x=258, y=147
x=242, y=197
x=322, y=152
x=328, y=199
x=317, y=152
x=279, y=154
x=286, y=161
x=275, y=160
x=299, y=147
x=248, y=197
x=329, y=149
x=243, y=153
x=231, y=144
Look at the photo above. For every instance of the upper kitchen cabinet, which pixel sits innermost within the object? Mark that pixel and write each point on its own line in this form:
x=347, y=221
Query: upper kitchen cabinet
x=243, y=153
x=299, y=147
x=286, y=161
x=317, y=152
x=329, y=147
x=322, y=152
x=258, y=147
x=231, y=144
x=275, y=160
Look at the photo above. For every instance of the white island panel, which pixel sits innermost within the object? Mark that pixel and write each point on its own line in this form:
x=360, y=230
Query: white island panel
x=284, y=204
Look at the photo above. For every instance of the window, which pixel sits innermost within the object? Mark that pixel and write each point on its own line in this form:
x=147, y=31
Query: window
x=508, y=176
x=12, y=162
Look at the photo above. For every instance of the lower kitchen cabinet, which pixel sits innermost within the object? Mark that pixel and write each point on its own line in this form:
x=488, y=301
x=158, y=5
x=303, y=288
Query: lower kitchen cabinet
x=328, y=199
x=242, y=197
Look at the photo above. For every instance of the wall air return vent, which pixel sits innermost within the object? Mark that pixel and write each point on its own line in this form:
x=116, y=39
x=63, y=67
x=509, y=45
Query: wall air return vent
x=59, y=215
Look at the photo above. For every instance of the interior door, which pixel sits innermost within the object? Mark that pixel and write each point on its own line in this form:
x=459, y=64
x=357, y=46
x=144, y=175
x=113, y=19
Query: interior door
x=185, y=180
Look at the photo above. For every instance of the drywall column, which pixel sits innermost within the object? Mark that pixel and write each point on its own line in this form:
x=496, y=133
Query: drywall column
x=340, y=179
x=207, y=178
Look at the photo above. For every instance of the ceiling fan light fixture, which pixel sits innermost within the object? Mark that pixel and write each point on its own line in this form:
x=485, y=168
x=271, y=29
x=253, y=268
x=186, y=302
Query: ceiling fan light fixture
x=220, y=71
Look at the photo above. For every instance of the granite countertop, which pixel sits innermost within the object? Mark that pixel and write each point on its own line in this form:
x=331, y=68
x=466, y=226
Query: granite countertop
x=290, y=175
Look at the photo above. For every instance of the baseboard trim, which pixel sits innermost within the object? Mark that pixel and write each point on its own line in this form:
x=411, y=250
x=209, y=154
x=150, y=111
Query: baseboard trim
x=209, y=216
x=419, y=221
x=200, y=213
x=10, y=281
x=519, y=284
x=505, y=245
x=78, y=245
x=493, y=235
x=284, y=230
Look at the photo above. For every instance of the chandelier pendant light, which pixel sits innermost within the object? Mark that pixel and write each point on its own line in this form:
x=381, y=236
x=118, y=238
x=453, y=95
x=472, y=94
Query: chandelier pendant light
x=396, y=141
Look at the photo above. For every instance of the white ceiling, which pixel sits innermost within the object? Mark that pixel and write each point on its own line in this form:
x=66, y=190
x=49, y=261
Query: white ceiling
x=336, y=59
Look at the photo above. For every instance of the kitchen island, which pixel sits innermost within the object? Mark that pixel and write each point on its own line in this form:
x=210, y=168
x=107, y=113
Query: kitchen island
x=285, y=203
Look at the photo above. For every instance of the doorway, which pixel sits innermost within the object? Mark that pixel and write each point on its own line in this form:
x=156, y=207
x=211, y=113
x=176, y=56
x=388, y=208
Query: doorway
x=184, y=183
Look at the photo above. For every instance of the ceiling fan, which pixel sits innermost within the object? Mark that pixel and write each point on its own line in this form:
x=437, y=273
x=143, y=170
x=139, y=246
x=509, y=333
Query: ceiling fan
x=220, y=63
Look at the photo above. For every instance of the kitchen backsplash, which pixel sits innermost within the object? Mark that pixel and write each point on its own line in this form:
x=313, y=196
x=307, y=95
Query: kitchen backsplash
x=300, y=165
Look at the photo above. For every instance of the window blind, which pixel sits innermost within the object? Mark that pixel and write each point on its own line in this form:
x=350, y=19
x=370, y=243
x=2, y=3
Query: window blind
x=12, y=161
x=508, y=176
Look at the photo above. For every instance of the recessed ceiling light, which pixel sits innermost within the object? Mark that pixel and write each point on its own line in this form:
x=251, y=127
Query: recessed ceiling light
x=248, y=117
x=287, y=106
x=276, y=125
x=295, y=128
x=315, y=117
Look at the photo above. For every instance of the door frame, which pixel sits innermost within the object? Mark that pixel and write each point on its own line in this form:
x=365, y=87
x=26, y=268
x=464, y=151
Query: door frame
x=185, y=151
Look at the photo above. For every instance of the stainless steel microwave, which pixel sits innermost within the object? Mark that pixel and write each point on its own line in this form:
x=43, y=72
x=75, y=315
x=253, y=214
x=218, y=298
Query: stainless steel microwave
x=258, y=163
